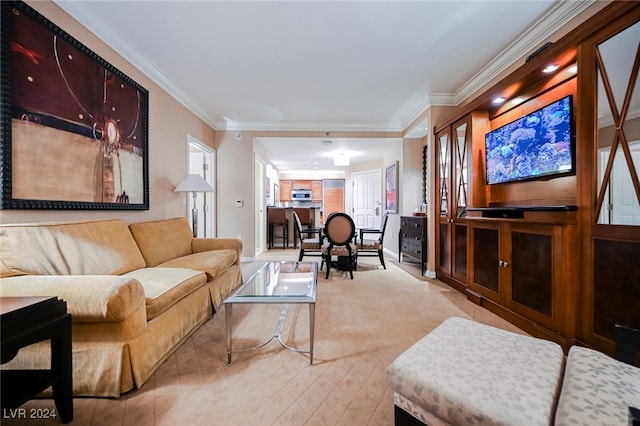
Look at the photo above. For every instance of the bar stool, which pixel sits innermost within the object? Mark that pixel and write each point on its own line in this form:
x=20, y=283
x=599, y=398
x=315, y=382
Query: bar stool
x=306, y=221
x=276, y=217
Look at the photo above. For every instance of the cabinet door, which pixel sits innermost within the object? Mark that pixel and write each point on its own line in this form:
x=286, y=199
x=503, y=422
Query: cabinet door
x=316, y=189
x=486, y=266
x=302, y=184
x=443, y=239
x=459, y=253
x=535, y=270
x=285, y=190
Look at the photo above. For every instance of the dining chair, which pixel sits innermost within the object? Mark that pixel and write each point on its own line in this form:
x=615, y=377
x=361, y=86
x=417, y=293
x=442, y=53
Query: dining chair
x=310, y=239
x=306, y=221
x=371, y=246
x=339, y=230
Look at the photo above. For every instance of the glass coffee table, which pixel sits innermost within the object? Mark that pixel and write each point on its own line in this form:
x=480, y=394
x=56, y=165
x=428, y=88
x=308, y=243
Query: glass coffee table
x=277, y=283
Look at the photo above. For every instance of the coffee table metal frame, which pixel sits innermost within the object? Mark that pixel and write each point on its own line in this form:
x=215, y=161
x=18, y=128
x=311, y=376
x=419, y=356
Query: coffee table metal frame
x=268, y=285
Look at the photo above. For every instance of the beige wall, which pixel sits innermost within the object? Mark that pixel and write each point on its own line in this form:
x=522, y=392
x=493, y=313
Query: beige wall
x=169, y=124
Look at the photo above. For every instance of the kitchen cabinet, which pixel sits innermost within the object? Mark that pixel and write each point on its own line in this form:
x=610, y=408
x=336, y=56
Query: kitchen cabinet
x=316, y=190
x=332, y=196
x=314, y=185
x=285, y=190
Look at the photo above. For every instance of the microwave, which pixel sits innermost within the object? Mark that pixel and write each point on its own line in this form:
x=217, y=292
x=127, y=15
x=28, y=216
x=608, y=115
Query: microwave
x=301, y=195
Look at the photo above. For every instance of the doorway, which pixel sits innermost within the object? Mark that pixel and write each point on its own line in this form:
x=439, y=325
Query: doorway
x=260, y=237
x=366, y=195
x=201, y=161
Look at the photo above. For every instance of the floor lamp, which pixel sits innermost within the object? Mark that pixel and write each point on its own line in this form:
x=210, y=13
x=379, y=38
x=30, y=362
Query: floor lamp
x=194, y=183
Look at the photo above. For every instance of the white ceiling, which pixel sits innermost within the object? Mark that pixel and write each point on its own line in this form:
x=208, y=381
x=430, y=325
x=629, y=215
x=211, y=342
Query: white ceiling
x=321, y=65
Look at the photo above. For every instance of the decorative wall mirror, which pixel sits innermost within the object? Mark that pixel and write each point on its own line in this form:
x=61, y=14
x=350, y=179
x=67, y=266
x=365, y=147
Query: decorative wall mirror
x=618, y=122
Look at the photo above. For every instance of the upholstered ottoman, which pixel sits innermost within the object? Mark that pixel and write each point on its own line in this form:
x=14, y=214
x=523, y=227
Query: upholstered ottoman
x=467, y=373
x=597, y=390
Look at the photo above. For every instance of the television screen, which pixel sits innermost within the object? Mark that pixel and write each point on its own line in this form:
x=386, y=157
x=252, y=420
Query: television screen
x=538, y=144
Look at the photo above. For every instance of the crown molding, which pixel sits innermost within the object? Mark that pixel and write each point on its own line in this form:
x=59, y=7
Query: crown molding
x=541, y=30
x=121, y=46
x=559, y=15
x=307, y=126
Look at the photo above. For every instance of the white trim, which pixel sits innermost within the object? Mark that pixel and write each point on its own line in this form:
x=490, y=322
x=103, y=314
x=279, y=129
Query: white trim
x=559, y=15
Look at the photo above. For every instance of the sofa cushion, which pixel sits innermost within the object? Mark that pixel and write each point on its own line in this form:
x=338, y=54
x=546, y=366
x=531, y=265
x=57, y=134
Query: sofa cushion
x=464, y=372
x=213, y=263
x=104, y=247
x=163, y=287
x=90, y=298
x=163, y=240
x=597, y=389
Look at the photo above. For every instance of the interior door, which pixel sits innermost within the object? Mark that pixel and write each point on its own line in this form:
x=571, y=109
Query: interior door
x=367, y=207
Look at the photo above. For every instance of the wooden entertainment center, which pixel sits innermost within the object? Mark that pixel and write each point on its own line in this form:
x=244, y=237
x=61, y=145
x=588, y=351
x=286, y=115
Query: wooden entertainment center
x=550, y=254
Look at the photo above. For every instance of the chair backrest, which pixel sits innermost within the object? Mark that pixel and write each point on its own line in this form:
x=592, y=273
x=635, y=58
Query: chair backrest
x=339, y=228
x=275, y=215
x=298, y=225
x=304, y=214
x=383, y=225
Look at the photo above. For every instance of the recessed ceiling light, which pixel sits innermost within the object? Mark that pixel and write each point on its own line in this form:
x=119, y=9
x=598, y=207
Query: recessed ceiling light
x=498, y=100
x=550, y=68
x=517, y=101
x=327, y=142
x=573, y=69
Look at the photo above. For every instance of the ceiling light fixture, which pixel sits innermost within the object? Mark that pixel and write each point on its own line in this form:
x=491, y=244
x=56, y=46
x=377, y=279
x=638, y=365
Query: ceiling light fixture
x=498, y=100
x=341, y=159
x=549, y=68
x=326, y=142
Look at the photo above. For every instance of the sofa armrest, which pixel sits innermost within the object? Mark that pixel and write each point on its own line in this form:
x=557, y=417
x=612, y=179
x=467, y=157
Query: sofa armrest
x=205, y=244
x=90, y=298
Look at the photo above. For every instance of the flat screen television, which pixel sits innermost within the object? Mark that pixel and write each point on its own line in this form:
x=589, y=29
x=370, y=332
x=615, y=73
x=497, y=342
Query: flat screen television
x=538, y=144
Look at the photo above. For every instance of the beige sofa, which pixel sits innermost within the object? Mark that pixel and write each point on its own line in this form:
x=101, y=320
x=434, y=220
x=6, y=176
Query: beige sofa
x=135, y=292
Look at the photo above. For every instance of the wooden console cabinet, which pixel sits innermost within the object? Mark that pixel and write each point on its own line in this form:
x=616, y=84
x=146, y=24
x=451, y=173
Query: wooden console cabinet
x=413, y=239
x=524, y=270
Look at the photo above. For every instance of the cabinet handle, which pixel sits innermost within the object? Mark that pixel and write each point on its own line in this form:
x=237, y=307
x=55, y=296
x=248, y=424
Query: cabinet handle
x=500, y=263
x=505, y=264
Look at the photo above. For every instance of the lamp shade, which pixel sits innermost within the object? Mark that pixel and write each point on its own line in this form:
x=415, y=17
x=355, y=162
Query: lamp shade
x=193, y=183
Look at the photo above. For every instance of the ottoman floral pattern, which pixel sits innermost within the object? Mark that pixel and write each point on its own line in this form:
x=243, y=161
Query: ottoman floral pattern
x=597, y=389
x=464, y=372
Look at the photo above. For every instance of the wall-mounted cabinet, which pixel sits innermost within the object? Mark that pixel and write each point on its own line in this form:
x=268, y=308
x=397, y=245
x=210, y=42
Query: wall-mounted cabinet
x=285, y=190
x=314, y=185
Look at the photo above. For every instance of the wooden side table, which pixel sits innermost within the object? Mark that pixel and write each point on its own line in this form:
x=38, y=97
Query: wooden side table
x=28, y=320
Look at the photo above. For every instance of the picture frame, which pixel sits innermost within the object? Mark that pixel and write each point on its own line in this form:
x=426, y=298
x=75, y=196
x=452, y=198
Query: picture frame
x=391, y=188
x=74, y=128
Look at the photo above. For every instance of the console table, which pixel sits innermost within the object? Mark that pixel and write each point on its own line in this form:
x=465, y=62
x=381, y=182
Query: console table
x=413, y=239
x=25, y=321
